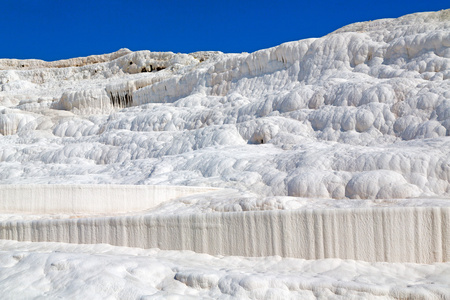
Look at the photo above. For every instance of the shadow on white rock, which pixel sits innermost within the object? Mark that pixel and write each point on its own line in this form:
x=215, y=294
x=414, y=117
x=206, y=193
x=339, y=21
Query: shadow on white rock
x=380, y=184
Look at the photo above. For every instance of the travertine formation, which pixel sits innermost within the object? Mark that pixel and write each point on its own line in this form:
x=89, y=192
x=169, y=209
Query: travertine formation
x=334, y=147
x=89, y=199
x=362, y=113
x=419, y=235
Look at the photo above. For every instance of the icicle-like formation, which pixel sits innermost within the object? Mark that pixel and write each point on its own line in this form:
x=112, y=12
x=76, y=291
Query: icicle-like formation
x=412, y=234
x=46, y=199
x=85, y=102
x=121, y=99
x=12, y=121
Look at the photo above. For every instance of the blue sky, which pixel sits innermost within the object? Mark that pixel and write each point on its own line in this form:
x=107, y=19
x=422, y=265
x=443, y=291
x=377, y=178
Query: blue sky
x=57, y=29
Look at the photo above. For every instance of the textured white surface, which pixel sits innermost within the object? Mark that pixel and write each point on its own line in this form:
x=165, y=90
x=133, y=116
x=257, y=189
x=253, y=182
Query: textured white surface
x=362, y=113
x=93, y=199
x=419, y=235
x=52, y=270
x=359, y=118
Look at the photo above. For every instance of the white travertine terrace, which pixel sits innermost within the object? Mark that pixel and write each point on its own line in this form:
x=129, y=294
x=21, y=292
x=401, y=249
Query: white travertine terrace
x=92, y=199
x=362, y=113
x=95, y=214
x=15, y=64
x=334, y=147
x=411, y=234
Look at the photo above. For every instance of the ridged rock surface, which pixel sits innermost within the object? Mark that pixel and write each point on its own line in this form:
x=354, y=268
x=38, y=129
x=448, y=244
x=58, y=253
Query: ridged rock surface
x=344, y=140
x=362, y=113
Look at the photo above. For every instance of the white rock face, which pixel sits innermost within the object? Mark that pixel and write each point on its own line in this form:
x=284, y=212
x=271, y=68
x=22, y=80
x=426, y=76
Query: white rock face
x=362, y=113
x=88, y=199
x=359, y=118
x=375, y=234
x=52, y=270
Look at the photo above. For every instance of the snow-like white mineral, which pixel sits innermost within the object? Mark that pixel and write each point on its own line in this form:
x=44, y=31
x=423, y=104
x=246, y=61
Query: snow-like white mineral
x=357, y=118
